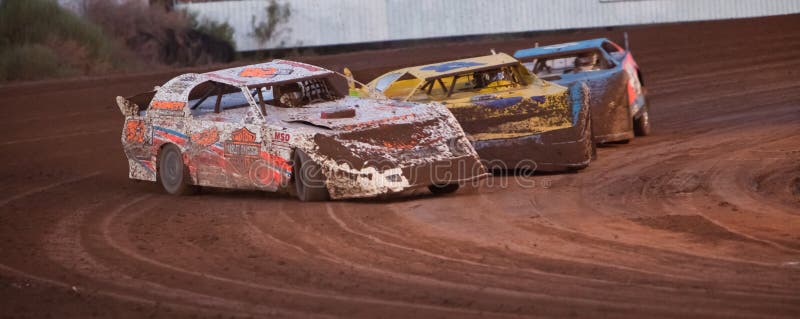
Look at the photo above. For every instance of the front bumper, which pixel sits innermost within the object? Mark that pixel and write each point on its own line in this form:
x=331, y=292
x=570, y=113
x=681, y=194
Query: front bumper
x=343, y=183
x=557, y=150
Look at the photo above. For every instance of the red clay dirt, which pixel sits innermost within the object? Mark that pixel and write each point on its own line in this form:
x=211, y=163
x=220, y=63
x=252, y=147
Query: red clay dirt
x=702, y=219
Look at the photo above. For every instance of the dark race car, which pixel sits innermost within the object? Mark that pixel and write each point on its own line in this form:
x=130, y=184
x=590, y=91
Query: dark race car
x=514, y=119
x=617, y=96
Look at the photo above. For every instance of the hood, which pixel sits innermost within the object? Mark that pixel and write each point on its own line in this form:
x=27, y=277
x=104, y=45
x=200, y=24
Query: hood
x=385, y=133
x=351, y=113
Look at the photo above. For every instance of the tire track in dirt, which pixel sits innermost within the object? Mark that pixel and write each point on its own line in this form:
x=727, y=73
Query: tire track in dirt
x=306, y=293
x=44, y=188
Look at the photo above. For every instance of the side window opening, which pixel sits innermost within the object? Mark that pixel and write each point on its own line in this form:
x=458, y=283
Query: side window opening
x=613, y=50
x=316, y=90
x=142, y=100
x=570, y=64
x=610, y=48
x=214, y=97
x=304, y=93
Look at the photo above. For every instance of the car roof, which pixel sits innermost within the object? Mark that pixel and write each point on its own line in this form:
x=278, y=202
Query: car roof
x=442, y=69
x=561, y=48
x=270, y=73
x=273, y=72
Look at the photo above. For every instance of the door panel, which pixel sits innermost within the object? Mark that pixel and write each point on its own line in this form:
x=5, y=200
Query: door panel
x=509, y=115
x=608, y=99
x=223, y=154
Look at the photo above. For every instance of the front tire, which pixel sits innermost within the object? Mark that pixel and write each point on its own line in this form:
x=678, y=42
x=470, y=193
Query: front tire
x=309, y=181
x=590, y=136
x=173, y=175
x=641, y=124
x=443, y=189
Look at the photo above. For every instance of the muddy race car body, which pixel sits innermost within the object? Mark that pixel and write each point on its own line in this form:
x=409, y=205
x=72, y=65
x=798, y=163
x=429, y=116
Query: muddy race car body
x=514, y=119
x=284, y=126
x=617, y=97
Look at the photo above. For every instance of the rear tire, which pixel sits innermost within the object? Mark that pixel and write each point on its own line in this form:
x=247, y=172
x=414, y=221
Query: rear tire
x=443, y=189
x=308, y=179
x=641, y=124
x=173, y=175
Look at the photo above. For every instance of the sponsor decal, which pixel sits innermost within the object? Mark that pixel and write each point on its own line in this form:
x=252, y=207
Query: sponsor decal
x=281, y=137
x=165, y=134
x=205, y=138
x=134, y=131
x=263, y=72
x=449, y=66
x=634, y=86
x=168, y=105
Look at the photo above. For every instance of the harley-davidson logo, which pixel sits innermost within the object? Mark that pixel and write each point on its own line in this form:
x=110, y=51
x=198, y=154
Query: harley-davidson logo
x=242, y=149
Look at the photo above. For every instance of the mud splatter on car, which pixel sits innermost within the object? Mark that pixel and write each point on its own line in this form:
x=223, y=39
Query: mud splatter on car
x=514, y=119
x=617, y=95
x=284, y=126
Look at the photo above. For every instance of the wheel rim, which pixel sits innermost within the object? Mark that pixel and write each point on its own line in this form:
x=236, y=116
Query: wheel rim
x=172, y=170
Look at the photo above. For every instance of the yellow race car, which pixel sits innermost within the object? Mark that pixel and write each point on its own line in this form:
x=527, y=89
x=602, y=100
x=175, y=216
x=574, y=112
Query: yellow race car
x=514, y=119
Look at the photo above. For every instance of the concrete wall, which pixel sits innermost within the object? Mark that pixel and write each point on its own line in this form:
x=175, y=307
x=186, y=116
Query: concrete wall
x=332, y=22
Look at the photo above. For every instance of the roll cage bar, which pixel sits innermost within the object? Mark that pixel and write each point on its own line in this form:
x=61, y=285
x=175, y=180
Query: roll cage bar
x=508, y=70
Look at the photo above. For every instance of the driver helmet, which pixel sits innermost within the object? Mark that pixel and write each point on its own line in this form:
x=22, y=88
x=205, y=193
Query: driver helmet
x=291, y=95
x=586, y=60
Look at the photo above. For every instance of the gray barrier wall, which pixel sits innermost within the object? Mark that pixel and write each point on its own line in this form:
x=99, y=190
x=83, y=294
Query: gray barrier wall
x=332, y=22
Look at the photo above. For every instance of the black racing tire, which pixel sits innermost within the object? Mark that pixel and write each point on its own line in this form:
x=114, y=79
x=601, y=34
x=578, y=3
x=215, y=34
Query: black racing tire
x=309, y=181
x=443, y=189
x=590, y=137
x=641, y=124
x=626, y=141
x=173, y=175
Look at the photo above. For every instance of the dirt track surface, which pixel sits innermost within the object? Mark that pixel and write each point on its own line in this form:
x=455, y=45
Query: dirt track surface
x=702, y=219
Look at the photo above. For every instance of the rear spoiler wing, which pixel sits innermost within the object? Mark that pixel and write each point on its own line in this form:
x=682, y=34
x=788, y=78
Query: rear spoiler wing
x=131, y=106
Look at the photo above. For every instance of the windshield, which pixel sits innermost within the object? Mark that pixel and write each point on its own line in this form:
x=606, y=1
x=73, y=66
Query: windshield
x=386, y=80
x=301, y=93
x=396, y=85
x=470, y=83
x=568, y=64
